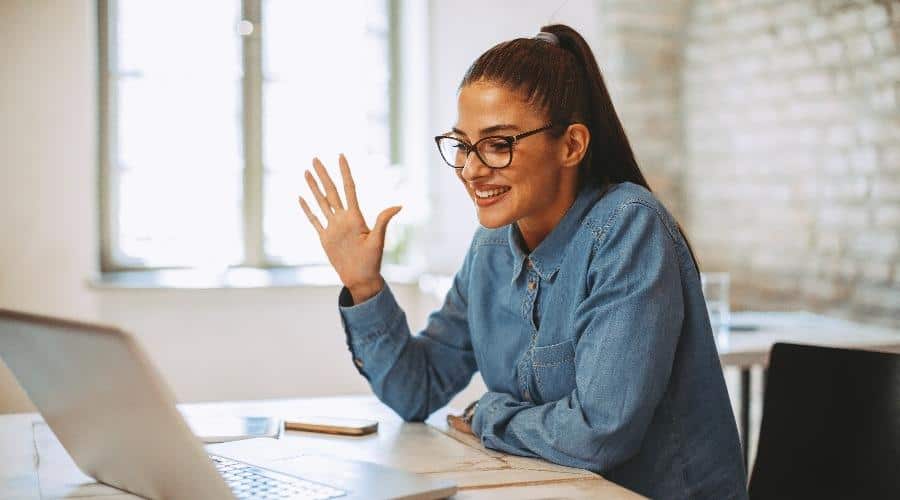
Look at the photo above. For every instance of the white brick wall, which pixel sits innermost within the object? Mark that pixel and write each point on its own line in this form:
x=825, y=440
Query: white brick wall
x=640, y=54
x=790, y=173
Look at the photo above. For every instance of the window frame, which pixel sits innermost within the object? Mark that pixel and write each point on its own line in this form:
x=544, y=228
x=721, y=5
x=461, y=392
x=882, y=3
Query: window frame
x=112, y=260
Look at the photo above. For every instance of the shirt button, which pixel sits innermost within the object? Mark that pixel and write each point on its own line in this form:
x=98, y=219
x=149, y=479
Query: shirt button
x=358, y=362
x=528, y=263
x=527, y=395
x=532, y=285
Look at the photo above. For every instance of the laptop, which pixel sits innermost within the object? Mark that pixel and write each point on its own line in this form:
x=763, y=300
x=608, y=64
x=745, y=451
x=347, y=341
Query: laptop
x=115, y=416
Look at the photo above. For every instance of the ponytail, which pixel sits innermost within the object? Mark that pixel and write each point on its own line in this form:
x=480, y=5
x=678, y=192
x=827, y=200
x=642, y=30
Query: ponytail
x=614, y=160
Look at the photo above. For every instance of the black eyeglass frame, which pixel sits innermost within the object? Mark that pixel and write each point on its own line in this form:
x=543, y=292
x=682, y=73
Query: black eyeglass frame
x=511, y=140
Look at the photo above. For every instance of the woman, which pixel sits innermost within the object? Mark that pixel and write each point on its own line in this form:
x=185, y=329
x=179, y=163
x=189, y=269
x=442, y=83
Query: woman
x=579, y=299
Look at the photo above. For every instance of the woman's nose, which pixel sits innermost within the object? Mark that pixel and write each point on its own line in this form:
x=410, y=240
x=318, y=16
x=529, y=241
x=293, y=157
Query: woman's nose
x=474, y=168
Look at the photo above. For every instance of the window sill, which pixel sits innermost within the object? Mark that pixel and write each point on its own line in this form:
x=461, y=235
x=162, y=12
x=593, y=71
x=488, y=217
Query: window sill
x=240, y=278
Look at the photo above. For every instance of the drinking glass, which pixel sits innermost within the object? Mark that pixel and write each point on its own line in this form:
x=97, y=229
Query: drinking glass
x=715, y=291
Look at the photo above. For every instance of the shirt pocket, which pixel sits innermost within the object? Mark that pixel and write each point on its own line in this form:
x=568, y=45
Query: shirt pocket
x=554, y=370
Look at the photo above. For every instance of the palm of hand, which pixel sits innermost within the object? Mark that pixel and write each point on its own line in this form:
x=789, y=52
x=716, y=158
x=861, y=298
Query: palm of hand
x=352, y=248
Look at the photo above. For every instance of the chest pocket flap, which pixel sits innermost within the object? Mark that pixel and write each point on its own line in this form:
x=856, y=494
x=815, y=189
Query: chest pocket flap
x=554, y=370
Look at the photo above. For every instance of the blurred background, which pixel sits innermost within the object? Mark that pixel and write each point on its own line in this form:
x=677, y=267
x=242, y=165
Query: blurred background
x=153, y=152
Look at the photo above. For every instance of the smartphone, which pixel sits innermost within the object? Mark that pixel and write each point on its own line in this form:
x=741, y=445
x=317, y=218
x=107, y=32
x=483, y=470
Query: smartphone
x=332, y=425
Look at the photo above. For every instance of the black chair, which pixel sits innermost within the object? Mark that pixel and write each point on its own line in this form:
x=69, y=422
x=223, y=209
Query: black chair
x=830, y=425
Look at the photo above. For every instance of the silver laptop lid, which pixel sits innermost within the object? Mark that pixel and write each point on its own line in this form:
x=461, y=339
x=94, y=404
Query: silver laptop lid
x=108, y=406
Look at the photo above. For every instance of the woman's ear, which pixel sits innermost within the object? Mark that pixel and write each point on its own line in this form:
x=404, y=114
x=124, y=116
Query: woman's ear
x=576, y=140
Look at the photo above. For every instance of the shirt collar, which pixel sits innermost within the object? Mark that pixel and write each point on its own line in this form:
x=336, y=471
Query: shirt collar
x=546, y=258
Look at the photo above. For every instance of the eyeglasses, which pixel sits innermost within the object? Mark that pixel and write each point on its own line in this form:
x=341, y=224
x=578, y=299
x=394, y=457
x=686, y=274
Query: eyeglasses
x=494, y=151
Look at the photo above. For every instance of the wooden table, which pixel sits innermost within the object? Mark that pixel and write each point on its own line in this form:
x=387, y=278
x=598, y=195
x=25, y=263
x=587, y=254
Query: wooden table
x=749, y=344
x=34, y=465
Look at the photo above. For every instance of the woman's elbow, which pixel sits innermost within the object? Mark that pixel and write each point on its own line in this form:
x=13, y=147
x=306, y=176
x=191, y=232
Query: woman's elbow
x=413, y=416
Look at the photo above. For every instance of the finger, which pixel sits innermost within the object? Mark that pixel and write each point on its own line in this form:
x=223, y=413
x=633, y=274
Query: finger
x=383, y=218
x=330, y=191
x=349, y=185
x=317, y=193
x=311, y=216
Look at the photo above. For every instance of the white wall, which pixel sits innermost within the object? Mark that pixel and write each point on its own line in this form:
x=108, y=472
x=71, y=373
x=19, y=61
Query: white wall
x=209, y=344
x=48, y=142
x=244, y=343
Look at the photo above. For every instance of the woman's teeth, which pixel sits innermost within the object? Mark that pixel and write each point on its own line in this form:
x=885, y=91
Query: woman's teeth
x=491, y=193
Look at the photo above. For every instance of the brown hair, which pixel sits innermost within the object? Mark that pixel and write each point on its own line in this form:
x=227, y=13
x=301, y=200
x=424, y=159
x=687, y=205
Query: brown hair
x=565, y=82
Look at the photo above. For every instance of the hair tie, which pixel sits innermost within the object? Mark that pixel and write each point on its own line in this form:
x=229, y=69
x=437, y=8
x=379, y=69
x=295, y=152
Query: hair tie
x=547, y=37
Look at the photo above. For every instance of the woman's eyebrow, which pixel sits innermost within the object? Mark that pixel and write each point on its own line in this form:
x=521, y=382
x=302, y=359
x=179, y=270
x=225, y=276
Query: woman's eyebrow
x=488, y=130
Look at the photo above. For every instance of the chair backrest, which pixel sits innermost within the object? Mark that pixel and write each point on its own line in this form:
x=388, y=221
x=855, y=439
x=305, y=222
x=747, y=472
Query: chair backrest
x=830, y=426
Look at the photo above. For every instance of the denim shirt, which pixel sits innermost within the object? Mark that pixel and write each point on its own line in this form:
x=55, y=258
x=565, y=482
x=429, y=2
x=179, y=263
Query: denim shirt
x=596, y=349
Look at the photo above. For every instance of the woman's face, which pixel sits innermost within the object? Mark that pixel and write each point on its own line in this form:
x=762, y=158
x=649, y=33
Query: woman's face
x=531, y=184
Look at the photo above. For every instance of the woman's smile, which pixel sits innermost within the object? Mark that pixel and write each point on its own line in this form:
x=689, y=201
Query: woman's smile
x=488, y=194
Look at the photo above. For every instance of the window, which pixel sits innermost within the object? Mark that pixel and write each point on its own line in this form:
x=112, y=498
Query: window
x=212, y=109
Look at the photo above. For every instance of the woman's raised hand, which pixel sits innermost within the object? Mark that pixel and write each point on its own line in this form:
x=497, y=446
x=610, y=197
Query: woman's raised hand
x=353, y=249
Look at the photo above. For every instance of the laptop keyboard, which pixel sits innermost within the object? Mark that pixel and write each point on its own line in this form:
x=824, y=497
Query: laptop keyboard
x=248, y=481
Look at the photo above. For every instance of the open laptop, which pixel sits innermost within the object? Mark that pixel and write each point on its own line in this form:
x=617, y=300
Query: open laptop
x=116, y=417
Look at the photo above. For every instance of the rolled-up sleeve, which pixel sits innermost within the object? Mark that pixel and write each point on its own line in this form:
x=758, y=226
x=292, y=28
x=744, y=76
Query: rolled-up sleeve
x=627, y=331
x=414, y=375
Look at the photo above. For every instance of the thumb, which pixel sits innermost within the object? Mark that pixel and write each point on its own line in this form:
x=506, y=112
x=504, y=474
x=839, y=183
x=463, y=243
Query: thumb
x=382, y=221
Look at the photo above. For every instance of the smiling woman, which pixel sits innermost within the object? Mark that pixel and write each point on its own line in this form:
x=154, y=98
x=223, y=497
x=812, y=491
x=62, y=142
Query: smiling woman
x=579, y=299
x=536, y=177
